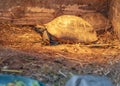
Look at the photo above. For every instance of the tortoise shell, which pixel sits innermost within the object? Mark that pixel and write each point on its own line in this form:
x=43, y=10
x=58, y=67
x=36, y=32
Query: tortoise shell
x=71, y=28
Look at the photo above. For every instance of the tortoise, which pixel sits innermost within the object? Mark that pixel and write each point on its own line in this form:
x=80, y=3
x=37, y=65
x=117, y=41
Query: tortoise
x=67, y=29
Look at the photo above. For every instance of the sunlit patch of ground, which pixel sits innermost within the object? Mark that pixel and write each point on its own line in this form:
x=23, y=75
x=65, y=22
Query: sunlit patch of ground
x=55, y=64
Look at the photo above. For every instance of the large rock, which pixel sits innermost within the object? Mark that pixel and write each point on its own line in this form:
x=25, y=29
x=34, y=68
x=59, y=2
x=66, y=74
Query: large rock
x=89, y=80
x=115, y=16
x=98, y=21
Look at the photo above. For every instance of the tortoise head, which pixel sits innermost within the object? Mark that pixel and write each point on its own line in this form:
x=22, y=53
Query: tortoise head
x=47, y=38
x=40, y=29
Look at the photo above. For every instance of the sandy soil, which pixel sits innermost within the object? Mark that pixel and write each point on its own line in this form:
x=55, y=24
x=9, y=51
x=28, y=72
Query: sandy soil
x=54, y=65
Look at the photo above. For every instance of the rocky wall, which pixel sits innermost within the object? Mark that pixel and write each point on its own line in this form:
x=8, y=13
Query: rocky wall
x=115, y=16
x=43, y=11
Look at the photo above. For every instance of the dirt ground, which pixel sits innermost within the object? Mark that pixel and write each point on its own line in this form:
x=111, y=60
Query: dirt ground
x=21, y=52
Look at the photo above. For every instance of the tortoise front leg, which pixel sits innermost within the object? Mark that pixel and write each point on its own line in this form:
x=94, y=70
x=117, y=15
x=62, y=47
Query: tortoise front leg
x=45, y=38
